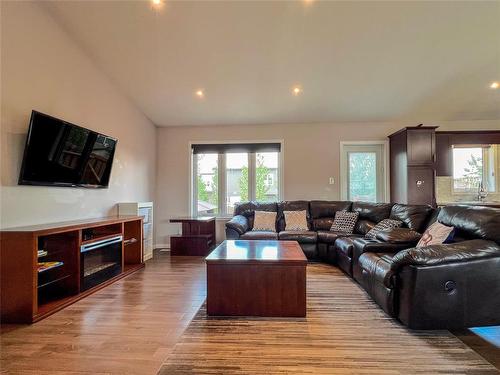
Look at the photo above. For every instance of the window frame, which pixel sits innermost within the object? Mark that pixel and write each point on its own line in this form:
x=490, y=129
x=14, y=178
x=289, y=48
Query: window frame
x=490, y=160
x=222, y=185
x=384, y=183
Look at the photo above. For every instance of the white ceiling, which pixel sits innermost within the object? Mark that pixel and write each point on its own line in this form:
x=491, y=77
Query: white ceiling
x=356, y=61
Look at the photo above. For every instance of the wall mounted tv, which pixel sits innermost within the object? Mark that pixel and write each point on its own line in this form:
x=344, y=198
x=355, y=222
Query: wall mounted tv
x=58, y=153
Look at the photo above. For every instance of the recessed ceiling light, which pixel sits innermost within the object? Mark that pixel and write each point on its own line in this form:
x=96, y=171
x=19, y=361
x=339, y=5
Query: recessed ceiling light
x=296, y=90
x=200, y=93
x=157, y=4
x=494, y=85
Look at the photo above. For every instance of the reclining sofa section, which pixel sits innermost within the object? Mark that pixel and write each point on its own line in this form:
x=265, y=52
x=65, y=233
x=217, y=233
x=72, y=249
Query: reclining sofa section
x=446, y=286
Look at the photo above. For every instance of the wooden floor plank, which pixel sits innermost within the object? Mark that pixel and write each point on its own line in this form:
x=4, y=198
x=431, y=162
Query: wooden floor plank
x=132, y=327
x=344, y=333
x=129, y=327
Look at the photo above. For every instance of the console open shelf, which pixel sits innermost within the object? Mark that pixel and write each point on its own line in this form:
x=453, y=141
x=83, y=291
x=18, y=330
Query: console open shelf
x=73, y=252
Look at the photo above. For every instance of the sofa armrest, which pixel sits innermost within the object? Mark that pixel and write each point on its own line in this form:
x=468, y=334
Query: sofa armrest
x=364, y=245
x=447, y=253
x=399, y=235
x=238, y=223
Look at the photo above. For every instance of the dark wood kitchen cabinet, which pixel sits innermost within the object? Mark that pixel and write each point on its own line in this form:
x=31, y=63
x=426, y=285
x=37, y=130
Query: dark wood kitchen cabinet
x=412, y=162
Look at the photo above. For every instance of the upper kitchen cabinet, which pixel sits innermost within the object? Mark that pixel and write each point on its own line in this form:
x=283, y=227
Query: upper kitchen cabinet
x=421, y=145
x=412, y=157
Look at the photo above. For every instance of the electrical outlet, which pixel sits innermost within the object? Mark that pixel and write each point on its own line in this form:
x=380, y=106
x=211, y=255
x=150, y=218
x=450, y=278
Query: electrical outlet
x=331, y=181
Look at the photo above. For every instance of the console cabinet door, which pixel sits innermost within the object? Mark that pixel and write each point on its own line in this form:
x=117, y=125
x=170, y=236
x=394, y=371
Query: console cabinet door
x=421, y=185
x=421, y=146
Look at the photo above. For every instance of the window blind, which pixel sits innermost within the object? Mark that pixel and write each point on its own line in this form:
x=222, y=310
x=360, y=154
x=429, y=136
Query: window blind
x=225, y=148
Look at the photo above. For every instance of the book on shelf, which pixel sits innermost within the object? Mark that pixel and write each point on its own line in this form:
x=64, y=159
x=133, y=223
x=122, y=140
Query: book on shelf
x=44, y=266
x=42, y=253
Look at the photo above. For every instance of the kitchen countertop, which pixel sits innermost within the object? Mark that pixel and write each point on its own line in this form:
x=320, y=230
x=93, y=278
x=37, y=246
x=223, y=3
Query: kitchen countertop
x=471, y=203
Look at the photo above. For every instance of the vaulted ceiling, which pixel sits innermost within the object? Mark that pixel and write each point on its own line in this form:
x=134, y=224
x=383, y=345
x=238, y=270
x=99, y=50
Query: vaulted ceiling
x=354, y=61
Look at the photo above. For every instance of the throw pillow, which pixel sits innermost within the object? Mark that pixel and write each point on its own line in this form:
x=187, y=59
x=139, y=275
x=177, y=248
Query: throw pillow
x=264, y=221
x=436, y=234
x=296, y=220
x=383, y=226
x=344, y=221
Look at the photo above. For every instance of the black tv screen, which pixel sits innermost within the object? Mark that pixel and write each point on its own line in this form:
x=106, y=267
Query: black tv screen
x=58, y=153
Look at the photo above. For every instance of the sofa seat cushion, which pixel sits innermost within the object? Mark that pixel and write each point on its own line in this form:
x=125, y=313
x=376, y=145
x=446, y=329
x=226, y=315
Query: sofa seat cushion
x=259, y=235
x=306, y=236
x=346, y=244
x=328, y=236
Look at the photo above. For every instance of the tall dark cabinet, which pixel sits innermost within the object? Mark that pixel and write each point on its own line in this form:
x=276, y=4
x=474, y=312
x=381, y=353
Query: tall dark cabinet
x=412, y=162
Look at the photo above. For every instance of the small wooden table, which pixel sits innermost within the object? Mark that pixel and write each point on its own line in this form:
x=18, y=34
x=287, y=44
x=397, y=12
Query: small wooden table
x=257, y=278
x=197, y=238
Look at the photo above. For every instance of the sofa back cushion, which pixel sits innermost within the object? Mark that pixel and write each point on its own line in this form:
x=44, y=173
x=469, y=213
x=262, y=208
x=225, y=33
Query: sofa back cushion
x=413, y=216
x=363, y=226
x=323, y=212
x=248, y=209
x=292, y=206
x=472, y=221
x=375, y=212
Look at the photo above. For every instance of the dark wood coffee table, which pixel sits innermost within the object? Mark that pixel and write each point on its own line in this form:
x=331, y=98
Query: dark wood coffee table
x=256, y=278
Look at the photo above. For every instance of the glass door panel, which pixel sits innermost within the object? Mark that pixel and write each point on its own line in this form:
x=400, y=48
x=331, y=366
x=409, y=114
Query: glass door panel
x=362, y=173
x=362, y=183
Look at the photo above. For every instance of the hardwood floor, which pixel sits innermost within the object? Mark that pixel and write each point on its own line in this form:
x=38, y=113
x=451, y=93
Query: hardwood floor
x=132, y=326
x=129, y=327
x=344, y=333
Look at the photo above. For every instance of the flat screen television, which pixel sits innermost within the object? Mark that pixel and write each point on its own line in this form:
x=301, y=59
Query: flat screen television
x=58, y=153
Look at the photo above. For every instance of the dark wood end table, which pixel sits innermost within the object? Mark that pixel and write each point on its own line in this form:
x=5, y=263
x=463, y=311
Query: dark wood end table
x=197, y=238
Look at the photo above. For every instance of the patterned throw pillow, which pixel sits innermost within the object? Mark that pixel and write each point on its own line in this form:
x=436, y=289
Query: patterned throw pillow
x=383, y=226
x=264, y=221
x=344, y=221
x=436, y=234
x=296, y=220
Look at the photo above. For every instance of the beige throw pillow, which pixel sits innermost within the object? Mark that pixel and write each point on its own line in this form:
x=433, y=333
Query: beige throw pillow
x=264, y=221
x=296, y=220
x=436, y=234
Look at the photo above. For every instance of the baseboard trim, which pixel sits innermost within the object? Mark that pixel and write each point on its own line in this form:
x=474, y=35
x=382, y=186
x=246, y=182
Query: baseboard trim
x=162, y=246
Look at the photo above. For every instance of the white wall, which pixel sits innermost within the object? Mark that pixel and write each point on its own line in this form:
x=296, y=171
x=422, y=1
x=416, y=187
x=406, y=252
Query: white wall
x=311, y=156
x=43, y=69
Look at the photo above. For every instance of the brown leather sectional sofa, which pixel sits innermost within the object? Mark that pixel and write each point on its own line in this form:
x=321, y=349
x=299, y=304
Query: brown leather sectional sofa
x=440, y=286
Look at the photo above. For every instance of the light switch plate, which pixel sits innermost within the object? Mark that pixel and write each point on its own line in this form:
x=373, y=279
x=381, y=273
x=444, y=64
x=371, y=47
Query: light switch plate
x=331, y=181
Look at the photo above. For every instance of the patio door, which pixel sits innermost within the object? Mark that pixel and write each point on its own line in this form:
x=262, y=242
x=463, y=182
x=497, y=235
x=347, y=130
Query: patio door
x=363, y=172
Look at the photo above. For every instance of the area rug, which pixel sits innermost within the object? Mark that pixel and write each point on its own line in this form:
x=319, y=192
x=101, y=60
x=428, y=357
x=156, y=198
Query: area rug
x=344, y=333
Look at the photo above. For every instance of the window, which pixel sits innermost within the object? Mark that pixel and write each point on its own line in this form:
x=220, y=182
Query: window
x=224, y=175
x=474, y=167
x=363, y=175
x=266, y=177
x=236, y=179
x=207, y=184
